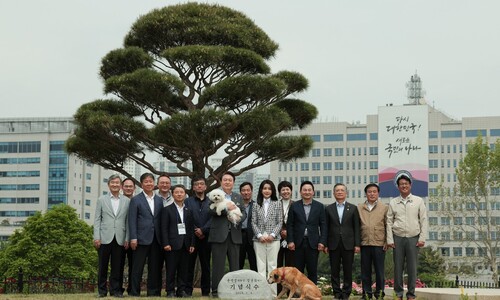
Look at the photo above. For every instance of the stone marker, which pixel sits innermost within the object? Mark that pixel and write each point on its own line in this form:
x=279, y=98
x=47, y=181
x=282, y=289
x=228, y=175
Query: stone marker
x=244, y=284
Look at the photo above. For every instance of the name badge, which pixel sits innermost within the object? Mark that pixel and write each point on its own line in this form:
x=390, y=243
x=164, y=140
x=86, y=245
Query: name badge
x=181, y=228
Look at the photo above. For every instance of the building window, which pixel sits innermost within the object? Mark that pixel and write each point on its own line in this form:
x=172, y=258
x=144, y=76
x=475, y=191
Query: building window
x=327, y=179
x=316, y=179
x=87, y=202
x=457, y=220
x=475, y=132
x=433, y=134
x=327, y=166
x=373, y=165
x=373, y=150
x=315, y=152
x=339, y=179
x=433, y=177
x=482, y=220
x=469, y=251
x=494, y=132
x=333, y=137
x=433, y=163
x=339, y=151
x=316, y=166
x=451, y=134
x=445, y=220
x=433, y=206
x=457, y=251
x=87, y=216
x=433, y=235
x=470, y=221
x=327, y=194
x=373, y=136
x=87, y=189
x=356, y=137
x=470, y=235
x=374, y=178
x=327, y=152
x=445, y=251
x=433, y=149
x=433, y=221
x=339, y=165
x=457, y=236
x=315, y=138
x=304, y=166
x=304, y=178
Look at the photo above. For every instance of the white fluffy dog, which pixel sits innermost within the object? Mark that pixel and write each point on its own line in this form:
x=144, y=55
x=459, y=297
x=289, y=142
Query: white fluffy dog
x=220, y=203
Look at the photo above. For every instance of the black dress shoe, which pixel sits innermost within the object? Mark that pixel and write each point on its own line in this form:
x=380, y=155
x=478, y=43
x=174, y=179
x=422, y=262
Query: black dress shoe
x=118, y=295
x=170, y=295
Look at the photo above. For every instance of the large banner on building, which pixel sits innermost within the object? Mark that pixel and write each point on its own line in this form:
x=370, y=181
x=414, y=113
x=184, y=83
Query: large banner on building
x=403, y=148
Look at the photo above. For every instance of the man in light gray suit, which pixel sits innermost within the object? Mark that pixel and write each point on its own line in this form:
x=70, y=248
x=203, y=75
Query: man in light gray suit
x=111, y=237
x=225, y=237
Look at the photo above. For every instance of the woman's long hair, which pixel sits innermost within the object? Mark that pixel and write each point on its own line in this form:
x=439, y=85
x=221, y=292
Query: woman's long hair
x=260, y=197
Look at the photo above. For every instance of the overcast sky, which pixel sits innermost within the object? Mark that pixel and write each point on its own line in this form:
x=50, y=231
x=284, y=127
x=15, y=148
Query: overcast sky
x=357, y=55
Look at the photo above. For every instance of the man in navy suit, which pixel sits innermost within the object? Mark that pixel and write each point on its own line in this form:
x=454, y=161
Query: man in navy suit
x=342, y=220
x=177, y=230
x=306, y=231
x=145, y=238
x=199, y=204
x=246, y=248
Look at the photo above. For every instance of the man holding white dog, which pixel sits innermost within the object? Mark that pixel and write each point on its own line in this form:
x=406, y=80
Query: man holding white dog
x=225, y=237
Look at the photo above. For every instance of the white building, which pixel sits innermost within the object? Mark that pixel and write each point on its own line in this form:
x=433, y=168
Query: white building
x=350, y=153
x=36, y=173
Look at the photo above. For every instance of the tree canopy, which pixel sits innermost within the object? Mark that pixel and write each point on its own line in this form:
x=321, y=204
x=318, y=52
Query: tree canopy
x=192, y=83
x=54, y=244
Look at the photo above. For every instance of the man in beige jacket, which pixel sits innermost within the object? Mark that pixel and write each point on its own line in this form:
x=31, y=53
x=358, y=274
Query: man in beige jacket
x=372, y=215
x=406, y=233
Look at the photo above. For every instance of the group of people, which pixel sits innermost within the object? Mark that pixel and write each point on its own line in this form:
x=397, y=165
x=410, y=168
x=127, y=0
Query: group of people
x=169, y=228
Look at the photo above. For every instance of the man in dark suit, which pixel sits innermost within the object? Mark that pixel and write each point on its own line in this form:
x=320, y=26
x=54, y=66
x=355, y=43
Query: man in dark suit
x=111, y=237
x=225, y=237
x=306, y=231
x=246, y=248
x=344, y=240
x=199, y=204
x=177, y=230
x=128, y=190
x=145, y=237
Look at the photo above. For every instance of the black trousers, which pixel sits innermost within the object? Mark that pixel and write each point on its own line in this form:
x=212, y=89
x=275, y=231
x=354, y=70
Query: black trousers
x=129, y=256
x=246, y=249
x=219, y=253
x=345, y=257
x=177, y=270
x=153, y=254
x=107, y=252
x=307, y=257
x=203, y=251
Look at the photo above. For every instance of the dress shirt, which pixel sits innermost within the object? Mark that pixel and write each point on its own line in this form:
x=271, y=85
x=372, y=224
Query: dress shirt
x=244, y=224
x=266, y=206
x=286, y=206
x=340, y=210
x=151, y=202
x=307, y=211
x=180, y=210
x=115, y=202
x=369, y=205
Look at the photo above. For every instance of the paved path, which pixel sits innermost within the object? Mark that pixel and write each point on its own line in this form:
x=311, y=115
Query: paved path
x=453, y=293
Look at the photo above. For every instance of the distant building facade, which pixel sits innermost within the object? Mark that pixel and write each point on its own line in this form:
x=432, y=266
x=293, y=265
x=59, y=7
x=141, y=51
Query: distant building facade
x=351, y=154
x=36, y=173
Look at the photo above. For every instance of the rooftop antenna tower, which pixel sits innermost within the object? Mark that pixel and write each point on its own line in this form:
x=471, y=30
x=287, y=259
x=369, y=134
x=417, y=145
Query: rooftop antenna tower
x=415, y=92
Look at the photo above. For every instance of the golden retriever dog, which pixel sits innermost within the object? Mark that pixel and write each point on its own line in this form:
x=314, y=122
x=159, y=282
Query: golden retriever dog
x=294, y=281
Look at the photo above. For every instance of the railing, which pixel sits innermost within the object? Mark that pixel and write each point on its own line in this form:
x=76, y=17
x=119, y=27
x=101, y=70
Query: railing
x=52, y=285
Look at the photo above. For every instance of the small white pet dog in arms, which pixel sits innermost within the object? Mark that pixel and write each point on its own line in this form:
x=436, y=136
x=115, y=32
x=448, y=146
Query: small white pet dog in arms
x=220, y=203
